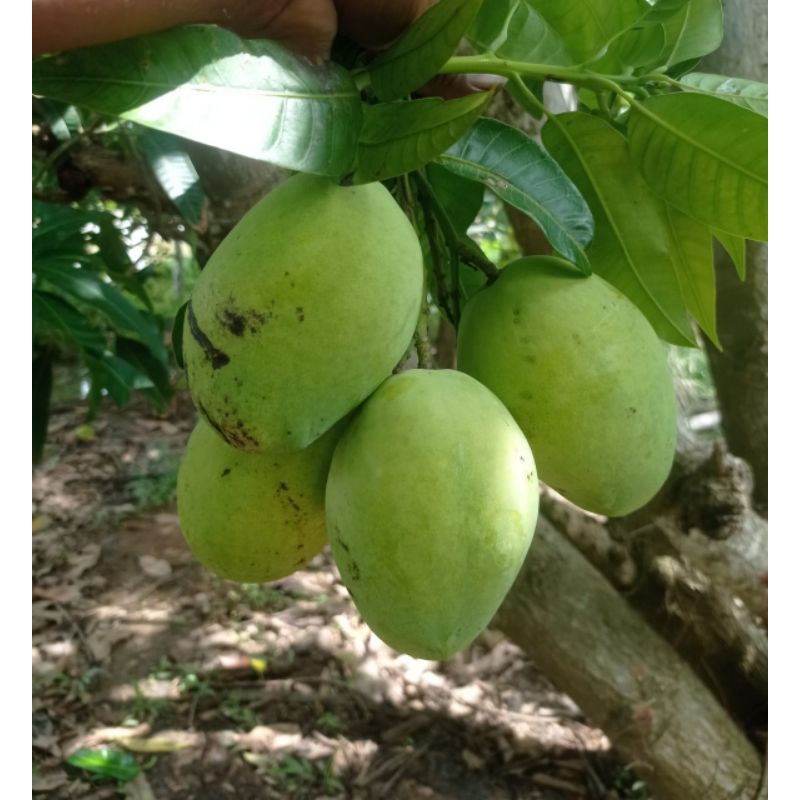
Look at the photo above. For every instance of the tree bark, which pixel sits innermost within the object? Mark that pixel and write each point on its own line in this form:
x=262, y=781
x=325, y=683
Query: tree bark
x=584, y=636
x=740, y=370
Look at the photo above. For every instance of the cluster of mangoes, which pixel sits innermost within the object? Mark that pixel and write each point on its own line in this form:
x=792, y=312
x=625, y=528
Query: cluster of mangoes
x=423, y=482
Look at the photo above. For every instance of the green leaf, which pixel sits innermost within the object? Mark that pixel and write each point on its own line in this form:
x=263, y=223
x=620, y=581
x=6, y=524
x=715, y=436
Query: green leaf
x=630, y=248
x=461, y=198
x=706, y=157
x=62, y=233
x=693, y=31
x=422, y=49
x=516, y=31
x=642, y=47
x=736, y=248
x=152, y=368
x=693, y=257
x=405, y=135
x=116, y=376
x=67, y=320
x=520, y=172
x=64, y=120
x=58, y=228
x=174, y=171
x=107, y=763
x=42, y=389
x=177, y=335
x=587, y=27
x=104, y=297
x=671, y=32
x=252, y=97
x=745, y=93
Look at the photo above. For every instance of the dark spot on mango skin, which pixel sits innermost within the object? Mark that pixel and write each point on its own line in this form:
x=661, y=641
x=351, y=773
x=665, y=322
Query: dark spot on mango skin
x=238, y=322
x=355, y=573
x=226, y=471
x=283, y=489
x=234, y=322
x=233, y=431
x=217, y=358
x=342, y=545
x=300, y=313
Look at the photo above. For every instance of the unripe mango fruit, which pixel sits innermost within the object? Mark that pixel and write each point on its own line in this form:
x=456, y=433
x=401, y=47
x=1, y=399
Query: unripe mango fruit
x=304, y=308
x=253, y=517
x=431, y=504
x=584, y=375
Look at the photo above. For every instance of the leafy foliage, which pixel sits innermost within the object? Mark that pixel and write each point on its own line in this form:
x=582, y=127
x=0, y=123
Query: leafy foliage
x=658, y=160
x=77, y=308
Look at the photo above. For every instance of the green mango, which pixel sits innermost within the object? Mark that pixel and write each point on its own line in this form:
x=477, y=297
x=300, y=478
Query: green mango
x=301, y=312
x=584, y=375
x=253, y=517
x=431, y=503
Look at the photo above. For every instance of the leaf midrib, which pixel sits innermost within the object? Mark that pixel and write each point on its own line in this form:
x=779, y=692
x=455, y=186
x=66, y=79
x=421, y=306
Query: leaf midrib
x=618, y=236
x=207, y=87
x=536, y=203
x=702, y=148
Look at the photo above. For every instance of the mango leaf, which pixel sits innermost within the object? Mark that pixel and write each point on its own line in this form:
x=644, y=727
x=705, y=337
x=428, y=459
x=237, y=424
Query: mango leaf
x=745, y=93
x=67, y=320
x=107, y=763
x=405, y=135
x=670, y=32
x=42, y=389
x=58, y=229
x=460, y=197
x=520, y=172
x=252, y=97
x=587, y=27
x=642, y=47
x=152, y=368
x=422, y=49
x=693, y=31
x=115, y=375
x=706, y=157
x=515, y=30
x=177, y=335
x=174, y=171
x=89, y=288
x=693, y=257
x=630, y=248
x=736, y=248
x=64, y=120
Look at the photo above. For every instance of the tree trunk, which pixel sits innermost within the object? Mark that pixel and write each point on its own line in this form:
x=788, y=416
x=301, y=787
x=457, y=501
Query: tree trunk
x=584, y=636
x=740, y=371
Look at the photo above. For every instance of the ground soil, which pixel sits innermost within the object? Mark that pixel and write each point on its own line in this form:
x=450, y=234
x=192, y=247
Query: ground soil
x=214, y=690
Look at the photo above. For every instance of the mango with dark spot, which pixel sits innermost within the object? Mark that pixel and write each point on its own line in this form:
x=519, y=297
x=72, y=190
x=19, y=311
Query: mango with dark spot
x=570, y=357
x=431, y=502
x=250, y=517
x=301, y=312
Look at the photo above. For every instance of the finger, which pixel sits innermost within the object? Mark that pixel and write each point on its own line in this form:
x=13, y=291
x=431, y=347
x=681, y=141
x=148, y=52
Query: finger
x=374, y=24
x=306, y=27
